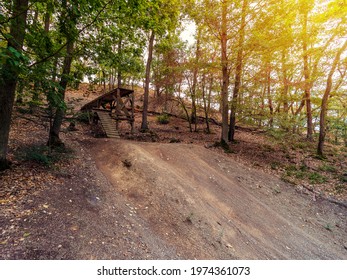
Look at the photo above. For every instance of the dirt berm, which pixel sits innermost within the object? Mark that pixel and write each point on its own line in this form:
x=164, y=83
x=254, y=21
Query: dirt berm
x=185, y=201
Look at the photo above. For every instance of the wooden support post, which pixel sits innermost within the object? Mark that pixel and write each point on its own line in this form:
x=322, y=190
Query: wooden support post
x=132, y=113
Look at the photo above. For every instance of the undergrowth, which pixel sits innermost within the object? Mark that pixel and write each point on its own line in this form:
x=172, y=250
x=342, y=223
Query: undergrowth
x=43, y=155
x=163, y=118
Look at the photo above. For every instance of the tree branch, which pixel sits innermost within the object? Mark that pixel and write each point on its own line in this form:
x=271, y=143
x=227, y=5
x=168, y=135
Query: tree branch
x=64, y=45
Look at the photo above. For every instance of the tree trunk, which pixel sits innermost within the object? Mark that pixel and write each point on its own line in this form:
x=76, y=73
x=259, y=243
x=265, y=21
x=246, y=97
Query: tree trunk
x=47, y=17
x=238, y=73
x=120, y=49
x=144, y=125
x=225, y=74
x=205, y=102
x=325, y=99
x=54, y=139
x=269, y=96
x=195, y=81
x=9, y=76
x=285, y=82
x=307, y=81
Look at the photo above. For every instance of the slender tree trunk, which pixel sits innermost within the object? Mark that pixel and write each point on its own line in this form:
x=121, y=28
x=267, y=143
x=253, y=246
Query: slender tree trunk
x=195, y=81
x=120, y=49
x=47, y=17
x=210, y=94
x=238, y=73
x=181, y=101
x=325, y=100
x=205, y=102
x=54, y=139
x=269, y=96
x=285, y=82
x=225, y=74
x=144, y=125
x=9, y=76
x=307, y=81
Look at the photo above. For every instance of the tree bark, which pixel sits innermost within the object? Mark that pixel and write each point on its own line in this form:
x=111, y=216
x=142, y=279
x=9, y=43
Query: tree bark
x=325, y=100
x=225, y=74
x=238, y=73
x=195, y=81
x=206, y=110
x=285, y=82
x=144, y=125
x=54, y=139
x=9, y=76
x=268, y=90
x=119, y=70
x=307, y=81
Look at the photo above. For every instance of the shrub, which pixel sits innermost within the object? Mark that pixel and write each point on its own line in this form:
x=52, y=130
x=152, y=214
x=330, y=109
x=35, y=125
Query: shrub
x=43, y=155
x=83, y=117
x=163, y=119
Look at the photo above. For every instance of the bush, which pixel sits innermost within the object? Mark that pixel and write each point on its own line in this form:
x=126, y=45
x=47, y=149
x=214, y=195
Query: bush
x=43, y=155
x=38, y=154
x=163, y=119
x=83, y=117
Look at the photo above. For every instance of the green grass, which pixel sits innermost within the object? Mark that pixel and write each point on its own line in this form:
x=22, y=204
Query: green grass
x=303, y=173
x=316, y=178
x=327, y=168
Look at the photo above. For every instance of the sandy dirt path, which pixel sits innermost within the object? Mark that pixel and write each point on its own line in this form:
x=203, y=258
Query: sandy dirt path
x=119, y=199
x=196, y=203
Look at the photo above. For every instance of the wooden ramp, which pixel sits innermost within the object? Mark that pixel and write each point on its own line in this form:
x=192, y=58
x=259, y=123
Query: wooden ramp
x=107, y=124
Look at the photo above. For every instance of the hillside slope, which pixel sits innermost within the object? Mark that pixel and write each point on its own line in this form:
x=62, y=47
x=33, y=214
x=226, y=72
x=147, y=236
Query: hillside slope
x=205, y=205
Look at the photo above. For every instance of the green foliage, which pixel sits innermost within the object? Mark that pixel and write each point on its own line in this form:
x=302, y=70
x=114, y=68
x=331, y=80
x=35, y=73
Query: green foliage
x=303, y=173
x=43, y=155
x=277, y=134
x=163, y=118
x=328, y=168
x=316, y=178
x=83, y=117
x=293, y=171
x=15, y=61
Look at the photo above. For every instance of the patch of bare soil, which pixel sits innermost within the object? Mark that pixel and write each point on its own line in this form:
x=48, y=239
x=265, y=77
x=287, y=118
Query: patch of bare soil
x=205, y=205
x=124, y=199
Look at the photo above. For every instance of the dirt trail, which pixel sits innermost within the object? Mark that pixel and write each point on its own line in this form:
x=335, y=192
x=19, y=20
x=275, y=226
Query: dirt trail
x=190, y=202
x=119, y=199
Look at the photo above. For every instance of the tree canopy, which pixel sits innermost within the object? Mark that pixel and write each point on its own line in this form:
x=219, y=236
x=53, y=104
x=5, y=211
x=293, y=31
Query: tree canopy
x=276, y=65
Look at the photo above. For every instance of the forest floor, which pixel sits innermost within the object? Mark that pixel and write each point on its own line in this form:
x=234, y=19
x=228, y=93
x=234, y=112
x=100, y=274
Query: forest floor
x=169, y=194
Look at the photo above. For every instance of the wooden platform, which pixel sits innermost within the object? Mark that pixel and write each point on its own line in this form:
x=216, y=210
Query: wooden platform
x=107, y=98
x=111, y=108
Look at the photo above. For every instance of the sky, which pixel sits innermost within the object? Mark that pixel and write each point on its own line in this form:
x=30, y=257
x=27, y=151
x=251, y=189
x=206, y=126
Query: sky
x=188, y=33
